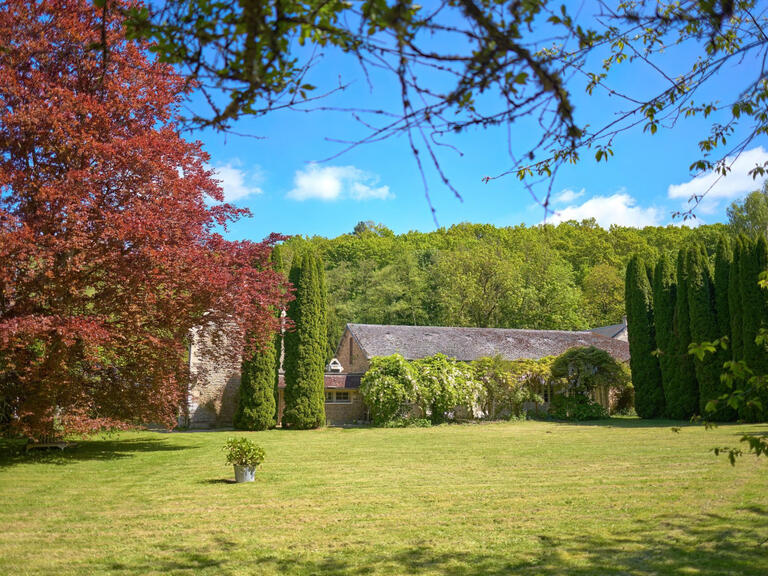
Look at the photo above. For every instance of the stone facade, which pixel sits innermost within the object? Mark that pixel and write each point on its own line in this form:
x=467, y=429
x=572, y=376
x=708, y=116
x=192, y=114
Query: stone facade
x=352, y=357
x=214, y=382
x=337, y=413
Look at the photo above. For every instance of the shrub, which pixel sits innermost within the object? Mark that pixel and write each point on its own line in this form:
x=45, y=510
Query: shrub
x=389, y=388
x=508, y=385
x=445, y=385
x=587, y=368
x=576, y=408
x=243, y=452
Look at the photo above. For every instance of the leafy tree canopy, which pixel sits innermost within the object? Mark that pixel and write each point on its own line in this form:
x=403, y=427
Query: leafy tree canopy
x=750, y=215
x=109, y=250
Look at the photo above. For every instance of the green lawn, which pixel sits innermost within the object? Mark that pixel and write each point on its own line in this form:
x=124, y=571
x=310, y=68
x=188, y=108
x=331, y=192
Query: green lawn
x=616, y=497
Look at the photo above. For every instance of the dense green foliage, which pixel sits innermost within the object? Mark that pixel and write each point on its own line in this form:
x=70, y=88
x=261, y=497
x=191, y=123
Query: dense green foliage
x=685, y=393
x=703, y=323
x=587, y=368
x=436, y=387
x=750, y=215
x=718, y=330
x=734, y=301
x=399, y=391
x=754, y=301
x=447, y=389
x=305, y=346
x=562, y=277
x=508, y=385
x=722, y=286
x=646, y=375
x=256, y=396
x=576, y=408
x=664, y=298
x=584, y=370
x=388, y=388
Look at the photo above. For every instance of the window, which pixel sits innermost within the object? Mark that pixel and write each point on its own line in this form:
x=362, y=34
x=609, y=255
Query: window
x=335, y=397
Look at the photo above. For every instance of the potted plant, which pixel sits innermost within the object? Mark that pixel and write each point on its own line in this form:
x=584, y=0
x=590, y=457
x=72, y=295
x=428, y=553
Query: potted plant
x=245, y=455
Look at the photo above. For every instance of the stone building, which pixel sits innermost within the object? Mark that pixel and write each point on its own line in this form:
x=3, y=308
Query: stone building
x=615, y=331
x=213, y=390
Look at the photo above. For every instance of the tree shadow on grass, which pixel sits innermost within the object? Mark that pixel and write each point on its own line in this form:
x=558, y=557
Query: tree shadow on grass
x=705, y=544
x=13, y=452
x=635, y=423
x=632, y=423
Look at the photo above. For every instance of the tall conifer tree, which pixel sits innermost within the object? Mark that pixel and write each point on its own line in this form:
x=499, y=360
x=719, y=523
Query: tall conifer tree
x=304, y=360
x=755, y=314
x=646, y=375
x=256, y=403
x=704, y=327
x=685, y=392
x=664, y=296
x=735, y=302
x=323, y=310
x=722, y=277
x=723, y=259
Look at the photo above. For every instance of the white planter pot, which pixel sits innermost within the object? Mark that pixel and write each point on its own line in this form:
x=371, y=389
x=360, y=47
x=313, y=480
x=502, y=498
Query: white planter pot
x=245, y=473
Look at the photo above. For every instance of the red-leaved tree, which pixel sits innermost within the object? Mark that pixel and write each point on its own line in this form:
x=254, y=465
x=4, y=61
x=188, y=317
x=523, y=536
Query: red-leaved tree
x=108, y=249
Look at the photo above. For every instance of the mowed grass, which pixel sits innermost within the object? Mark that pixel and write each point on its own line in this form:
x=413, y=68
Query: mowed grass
x=615, y=497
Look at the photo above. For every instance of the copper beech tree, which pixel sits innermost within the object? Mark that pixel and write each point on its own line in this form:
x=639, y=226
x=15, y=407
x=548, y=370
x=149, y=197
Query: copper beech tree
x=109, y=251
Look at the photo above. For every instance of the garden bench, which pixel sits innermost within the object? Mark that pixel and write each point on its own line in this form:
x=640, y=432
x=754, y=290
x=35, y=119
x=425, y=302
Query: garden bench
x=47, y=441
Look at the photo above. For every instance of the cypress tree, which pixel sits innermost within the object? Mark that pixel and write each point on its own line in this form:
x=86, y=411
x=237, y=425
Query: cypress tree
x=323, y=311
x=256, y=403
x=755, y=314
x=723, y=263
x=684, y=394
x=664, y=296
x=304, y=360
x=723, y=259
x=704, y=326
x=646, y=375
x=734, y=301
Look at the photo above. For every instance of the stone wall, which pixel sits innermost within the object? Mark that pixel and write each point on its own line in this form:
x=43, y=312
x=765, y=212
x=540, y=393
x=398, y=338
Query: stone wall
x=350, y=355
x=338, y=413
x=214, y=381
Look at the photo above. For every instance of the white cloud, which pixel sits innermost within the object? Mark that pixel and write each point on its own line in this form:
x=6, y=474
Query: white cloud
x=567, y=195
x=619, y=208
x=735, y=184
x=329, y=183
x=237, y=183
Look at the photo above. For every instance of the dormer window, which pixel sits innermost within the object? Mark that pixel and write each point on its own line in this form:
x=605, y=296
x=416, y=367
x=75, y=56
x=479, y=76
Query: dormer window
x=335, y=366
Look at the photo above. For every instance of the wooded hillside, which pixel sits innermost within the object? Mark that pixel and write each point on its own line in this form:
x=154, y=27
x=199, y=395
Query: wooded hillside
x=567, y=277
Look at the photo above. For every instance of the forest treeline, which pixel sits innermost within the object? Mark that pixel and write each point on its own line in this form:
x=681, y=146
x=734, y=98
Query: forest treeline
x=567, y=277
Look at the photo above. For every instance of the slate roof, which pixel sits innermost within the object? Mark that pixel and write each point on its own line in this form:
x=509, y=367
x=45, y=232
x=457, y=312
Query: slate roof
x=332, y=381
x=612, y=331
x=468, y=344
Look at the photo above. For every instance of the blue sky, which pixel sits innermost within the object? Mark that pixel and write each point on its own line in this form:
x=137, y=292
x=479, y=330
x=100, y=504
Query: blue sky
x=281, y=179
